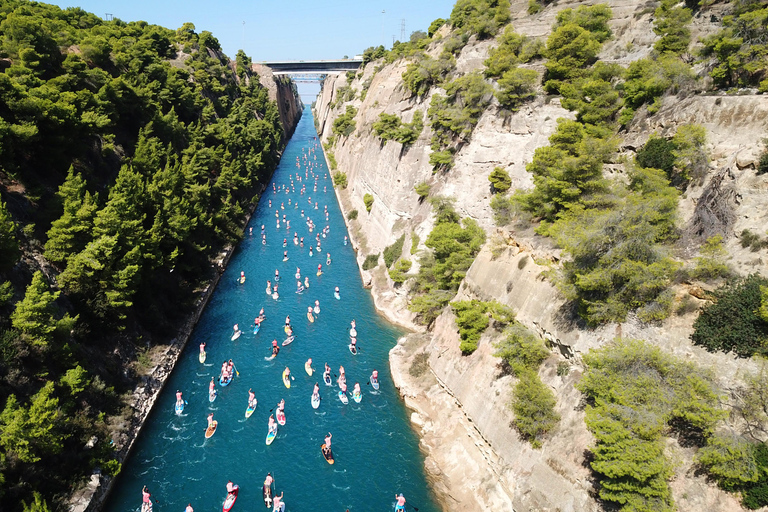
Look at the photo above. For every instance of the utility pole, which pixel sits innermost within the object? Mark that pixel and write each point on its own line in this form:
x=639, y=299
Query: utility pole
x=402, y=30
x=108, y=16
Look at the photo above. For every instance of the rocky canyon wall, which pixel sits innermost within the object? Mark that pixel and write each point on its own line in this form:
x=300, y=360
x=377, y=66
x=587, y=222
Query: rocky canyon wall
x=475, y=457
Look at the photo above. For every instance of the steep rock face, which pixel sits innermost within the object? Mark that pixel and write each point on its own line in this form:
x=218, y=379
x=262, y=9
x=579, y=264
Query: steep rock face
x=286, y=96
x=475, y=457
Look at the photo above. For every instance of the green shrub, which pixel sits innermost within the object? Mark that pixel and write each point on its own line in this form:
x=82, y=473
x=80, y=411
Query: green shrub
x=711, y=263
x=534, y=406
x=534, y=6
x=331, y=160
x=516, y=86
x=454, y=245
x=729, y=460
x=616, y=260
x=691, y=159
x=593, y=18
x=340, y=179
x=762, y=164
x=425, y=72
x=593, y=97
x=756, y=496
x=637, y=391
x=344, y=125
x=352, y=215
x=657, y=153
x=472, y=319
x=419, y=365
x=368, y=200
x=441, y=160
x=513, y=49
x=480, y=17
x=752, y=240
x=732, y=323
x=414, y=242
x=503, y=209
x=648, y=79
x=454, y=116
x=391, y=127
x=398, y=274
x=394, y=251
x=570, y=49
x=429, y=305
x=500, y=180
x=371, y=261
x=521, y=349
x=567, y=170
x=422, y=189
x=435, y=26
x=671, y=23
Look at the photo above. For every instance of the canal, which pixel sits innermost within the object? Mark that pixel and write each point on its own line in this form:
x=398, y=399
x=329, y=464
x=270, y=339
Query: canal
x=376, y=451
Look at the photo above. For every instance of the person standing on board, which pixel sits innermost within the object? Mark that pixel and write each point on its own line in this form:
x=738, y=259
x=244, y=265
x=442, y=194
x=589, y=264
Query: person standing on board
x=400, y=502
x=189, y=505
x=146, y=503
x=277, y=504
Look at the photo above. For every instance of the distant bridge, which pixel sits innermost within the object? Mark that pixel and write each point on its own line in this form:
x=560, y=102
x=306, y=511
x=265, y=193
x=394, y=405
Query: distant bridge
x=305, y=68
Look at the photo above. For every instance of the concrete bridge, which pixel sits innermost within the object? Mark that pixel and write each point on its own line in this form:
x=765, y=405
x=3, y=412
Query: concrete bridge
x=305, y=68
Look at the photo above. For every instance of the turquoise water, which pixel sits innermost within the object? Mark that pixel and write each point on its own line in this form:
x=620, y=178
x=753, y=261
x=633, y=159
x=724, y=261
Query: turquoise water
x=376, y=450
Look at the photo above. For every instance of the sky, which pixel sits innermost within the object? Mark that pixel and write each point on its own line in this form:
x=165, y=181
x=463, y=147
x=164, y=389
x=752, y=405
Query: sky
x=287, y=30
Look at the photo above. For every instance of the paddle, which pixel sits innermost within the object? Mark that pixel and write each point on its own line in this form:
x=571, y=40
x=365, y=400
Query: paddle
x=235, y=367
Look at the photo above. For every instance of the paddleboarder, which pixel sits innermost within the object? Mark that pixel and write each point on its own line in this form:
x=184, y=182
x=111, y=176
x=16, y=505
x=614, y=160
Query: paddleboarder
x=189, y=505
x=400, y=502
x=210, y=420
x=251, y=398
x=179, y=400
x=146, y=502
x=277, y=505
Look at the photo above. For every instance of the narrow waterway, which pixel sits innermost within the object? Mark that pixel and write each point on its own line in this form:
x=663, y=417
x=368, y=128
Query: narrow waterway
x=376, y=451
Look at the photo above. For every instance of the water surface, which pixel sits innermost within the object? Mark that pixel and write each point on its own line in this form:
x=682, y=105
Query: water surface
x=376, y=450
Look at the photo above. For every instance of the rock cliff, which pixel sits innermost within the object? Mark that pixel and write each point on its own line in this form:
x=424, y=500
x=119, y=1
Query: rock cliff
x=460, y=402
x=284, y=93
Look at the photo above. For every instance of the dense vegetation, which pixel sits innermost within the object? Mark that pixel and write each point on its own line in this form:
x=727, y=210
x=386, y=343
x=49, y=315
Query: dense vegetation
x=740, y=47
x=391, y=127
x=532, y=402
x=636, y=394
x=454, y=243
x=129, y=154
x=733, y=323
x=474, y=316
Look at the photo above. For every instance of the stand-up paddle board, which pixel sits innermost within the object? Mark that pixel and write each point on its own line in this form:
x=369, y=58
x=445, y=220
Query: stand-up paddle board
x=201, y=357
x=343, y=397
x=327, y=454
x=211, y=429
x=315, y=401
x=286, y=379
x=308, y=368
x=251, y=408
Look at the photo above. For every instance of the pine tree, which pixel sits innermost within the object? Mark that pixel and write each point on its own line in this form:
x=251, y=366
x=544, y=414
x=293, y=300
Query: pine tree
x=9, y=246
x=33, y=315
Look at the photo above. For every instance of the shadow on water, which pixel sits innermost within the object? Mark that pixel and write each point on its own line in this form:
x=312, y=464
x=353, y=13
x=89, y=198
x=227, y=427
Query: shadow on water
x=376, y=450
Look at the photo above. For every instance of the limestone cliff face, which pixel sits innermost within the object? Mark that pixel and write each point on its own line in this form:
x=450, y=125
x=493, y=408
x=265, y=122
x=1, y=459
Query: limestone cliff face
x=475, y=457
x=284, y=93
